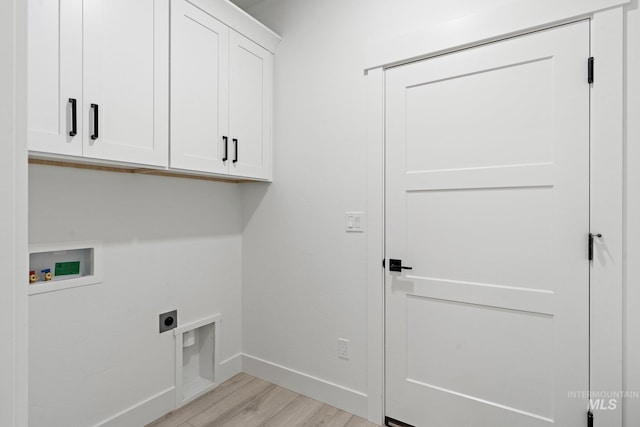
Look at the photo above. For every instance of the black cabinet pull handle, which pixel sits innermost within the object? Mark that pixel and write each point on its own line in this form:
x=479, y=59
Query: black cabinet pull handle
x=74, y=117
x=235, y=142
x=94, y=107
x=226, y=148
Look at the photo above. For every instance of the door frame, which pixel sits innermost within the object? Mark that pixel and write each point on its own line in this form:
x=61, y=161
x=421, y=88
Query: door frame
x=13, y=188
x=606, y=164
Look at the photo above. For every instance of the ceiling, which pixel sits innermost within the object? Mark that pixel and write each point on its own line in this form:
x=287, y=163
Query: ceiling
x=246, y=4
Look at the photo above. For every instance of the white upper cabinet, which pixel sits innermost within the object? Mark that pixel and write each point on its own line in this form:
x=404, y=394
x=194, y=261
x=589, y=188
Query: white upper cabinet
x=111, y=57
x=221, y=90
x=250, y=105
x=125, y=80
x=99, y=89
x=55, y=76
x=199, y=90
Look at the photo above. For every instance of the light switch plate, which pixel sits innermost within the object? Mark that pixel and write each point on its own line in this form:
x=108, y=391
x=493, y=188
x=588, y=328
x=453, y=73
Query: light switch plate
x=354, y=222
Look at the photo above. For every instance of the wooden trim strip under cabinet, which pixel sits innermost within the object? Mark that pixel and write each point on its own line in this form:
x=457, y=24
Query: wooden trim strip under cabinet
x=142, y=171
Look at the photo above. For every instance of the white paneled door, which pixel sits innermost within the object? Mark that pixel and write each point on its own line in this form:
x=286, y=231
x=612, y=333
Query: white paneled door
x=55, y=77
x=126, y=75
x=487, y=200
x=199, y=90
x=250, y=99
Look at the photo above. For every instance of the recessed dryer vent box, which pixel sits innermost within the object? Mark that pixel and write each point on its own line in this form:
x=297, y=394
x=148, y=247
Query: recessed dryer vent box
x=196, y=358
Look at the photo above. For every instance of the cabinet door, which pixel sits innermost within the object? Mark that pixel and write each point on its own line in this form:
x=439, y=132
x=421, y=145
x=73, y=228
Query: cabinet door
x=199, y=90
x=54, y=76
x=126, y=80
x=250, y=106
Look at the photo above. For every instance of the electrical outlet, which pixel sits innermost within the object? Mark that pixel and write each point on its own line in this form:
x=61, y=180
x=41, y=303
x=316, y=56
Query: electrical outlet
x=168, y=321
x=343, y=348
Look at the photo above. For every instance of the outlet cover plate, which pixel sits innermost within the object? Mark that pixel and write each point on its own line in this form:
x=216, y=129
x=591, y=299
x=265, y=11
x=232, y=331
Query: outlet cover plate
x=168, y=321
x=343, y=348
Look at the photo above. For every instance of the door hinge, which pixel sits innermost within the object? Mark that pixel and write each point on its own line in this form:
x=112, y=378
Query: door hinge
x=590, y=70
x=591, y=239
x=589, y=419
x=390, y=422
x=383, y=266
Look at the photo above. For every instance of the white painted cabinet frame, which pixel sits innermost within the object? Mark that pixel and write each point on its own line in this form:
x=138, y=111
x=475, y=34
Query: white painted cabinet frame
x=606, y=133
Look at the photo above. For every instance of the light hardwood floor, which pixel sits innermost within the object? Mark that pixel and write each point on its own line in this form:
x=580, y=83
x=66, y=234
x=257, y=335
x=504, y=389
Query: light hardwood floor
x=246, y=401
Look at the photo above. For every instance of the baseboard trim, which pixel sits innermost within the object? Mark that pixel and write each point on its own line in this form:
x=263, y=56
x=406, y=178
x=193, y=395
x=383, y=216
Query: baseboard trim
x=164, y=402
x=144, y=412
x=229, y=368
x=325, y=391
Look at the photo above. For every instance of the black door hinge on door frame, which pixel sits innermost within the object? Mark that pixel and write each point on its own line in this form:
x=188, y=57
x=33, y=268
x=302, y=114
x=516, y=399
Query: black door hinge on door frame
x=589, y=419
x=591, y=238
x=590, y=70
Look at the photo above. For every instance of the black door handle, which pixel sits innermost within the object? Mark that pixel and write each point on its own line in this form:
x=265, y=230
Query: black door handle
x=95, y=134
x=226, y=148
x=396, y=265
x=235, y=142
x=74, y=117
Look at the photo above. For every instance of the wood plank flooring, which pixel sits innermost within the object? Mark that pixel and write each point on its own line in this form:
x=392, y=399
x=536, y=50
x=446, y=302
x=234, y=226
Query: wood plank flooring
x=246, y=401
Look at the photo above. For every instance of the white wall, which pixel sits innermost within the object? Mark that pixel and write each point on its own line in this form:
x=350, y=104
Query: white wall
x=303, y=276
x=631, y=406
x=13, y=207
x=168, y=244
